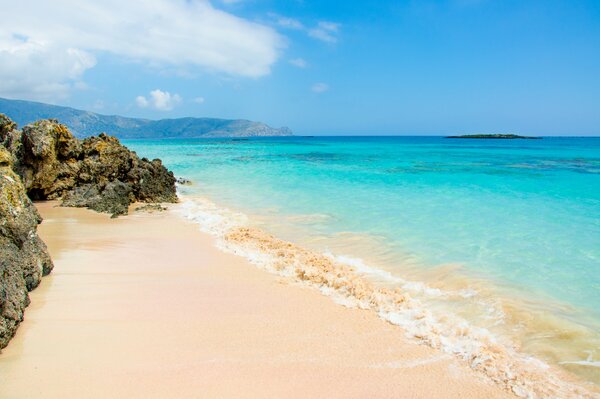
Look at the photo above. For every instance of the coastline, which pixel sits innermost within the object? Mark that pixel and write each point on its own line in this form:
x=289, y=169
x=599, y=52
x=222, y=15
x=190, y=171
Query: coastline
x=349, y=282
x=147, y=306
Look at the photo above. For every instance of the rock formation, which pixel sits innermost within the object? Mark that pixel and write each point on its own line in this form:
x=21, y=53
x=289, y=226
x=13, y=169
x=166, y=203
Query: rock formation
x=23, y=255
x=44, y=161
x=97, y=172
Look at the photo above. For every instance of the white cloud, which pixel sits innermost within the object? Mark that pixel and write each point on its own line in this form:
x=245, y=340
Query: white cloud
x=46, y=46
x=285, y=22
x=199, y=100
x=159, y=100
x=320, y=87
x=299, y=62
x=47, y=71
x=141, y=101
x=325, y=31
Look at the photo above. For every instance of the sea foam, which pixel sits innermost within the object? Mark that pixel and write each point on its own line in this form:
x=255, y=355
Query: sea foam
x=350, y=282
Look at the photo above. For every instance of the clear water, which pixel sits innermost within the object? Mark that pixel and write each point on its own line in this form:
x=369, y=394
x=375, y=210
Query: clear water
x=523, y=215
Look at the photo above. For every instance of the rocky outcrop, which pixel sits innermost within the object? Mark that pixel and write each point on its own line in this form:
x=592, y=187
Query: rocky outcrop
x=45, y=161
x=23, y=255
x=97, y=172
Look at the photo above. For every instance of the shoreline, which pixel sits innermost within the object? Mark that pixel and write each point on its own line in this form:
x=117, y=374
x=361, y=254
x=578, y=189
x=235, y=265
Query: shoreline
x=147, y=306
x=349, y=285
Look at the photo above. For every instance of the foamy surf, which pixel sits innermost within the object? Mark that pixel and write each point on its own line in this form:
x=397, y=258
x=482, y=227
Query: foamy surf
x=349, y=281
x=588, y=362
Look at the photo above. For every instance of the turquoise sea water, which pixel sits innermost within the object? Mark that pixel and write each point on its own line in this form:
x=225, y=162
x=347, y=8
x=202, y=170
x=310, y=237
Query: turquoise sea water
x=521, y=216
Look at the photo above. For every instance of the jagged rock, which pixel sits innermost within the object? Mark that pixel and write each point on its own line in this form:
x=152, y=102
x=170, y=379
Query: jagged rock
x=97, y=172
x=6, y=126
x=113, y=199
x=183, y=181
x=151, y=208
x=24, y=258
x=45, y=161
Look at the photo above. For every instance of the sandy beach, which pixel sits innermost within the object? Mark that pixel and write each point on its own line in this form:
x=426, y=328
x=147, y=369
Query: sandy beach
x=145, y=306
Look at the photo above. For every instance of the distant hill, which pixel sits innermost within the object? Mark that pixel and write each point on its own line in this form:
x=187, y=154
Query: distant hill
x=85, y=123
x=493, y=136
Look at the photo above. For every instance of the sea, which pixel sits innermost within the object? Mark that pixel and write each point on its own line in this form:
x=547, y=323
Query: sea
x=499, y=237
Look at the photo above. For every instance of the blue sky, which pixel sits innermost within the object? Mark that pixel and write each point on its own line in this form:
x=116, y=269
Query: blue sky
x=319, y=67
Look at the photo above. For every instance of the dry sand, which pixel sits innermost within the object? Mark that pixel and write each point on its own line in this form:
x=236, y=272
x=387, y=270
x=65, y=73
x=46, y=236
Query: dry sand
x=145, y=306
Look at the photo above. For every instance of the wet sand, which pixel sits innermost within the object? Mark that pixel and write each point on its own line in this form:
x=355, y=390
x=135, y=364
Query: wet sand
x=145, y=306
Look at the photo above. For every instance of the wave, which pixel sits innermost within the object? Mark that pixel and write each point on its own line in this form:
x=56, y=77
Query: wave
x=351, y=282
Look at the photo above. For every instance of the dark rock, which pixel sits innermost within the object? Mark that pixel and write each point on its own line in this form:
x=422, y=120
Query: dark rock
x=114, y=198
x=44, y=161
x=183, y=181
x=493, y=136
x=150, y=208
x=97, y=172
x=24, y=257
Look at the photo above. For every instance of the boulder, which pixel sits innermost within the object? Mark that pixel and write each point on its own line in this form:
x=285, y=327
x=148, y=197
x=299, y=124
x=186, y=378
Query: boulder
x=25, y=258
x=45, y=161
x=97, y=172
x=183, y=181
x=151, y=208
x=114, y=198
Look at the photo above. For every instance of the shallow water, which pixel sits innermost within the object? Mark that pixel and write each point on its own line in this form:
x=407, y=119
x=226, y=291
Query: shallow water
x=512, y=226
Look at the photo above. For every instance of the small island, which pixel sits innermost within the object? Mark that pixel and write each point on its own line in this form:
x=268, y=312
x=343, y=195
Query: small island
x=493, y=136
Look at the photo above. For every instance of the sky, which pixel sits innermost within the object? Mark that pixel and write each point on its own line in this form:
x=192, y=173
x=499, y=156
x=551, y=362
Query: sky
x=325, y=67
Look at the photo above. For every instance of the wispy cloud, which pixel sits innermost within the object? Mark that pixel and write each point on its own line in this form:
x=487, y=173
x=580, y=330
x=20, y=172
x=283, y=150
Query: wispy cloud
x=39, y=69
x=199, y=100
x=325, y=31
x=158, y=100
x=285, y=22
x=320, y=87
x=298, y=62
x=46, y=47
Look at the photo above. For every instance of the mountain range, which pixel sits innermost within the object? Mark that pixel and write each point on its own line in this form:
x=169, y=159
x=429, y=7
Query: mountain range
x=85, y=123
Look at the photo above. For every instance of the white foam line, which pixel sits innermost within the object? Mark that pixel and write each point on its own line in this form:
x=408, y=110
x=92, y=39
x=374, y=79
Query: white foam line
x=450, y=334
x=413, y=286
x=588, y=362
x=583, y=363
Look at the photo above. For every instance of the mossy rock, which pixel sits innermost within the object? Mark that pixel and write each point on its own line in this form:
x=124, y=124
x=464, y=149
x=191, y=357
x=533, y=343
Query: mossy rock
x=5, y=157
